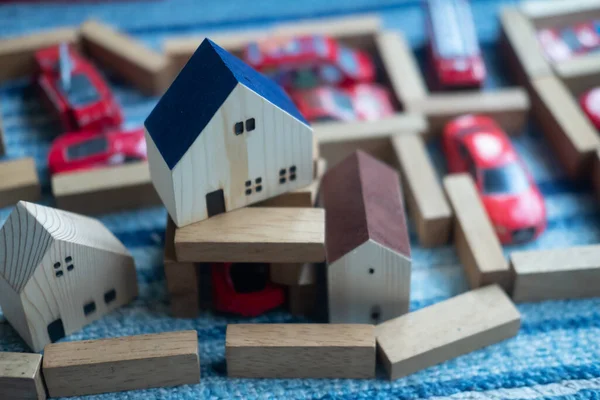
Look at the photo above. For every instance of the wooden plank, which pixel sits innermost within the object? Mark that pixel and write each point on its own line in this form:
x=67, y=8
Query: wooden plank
x=425, y=197
x=302, y=300
x=293, y=274
x=300, y=351
x=126, y=363
x=567, y=273
x=508, y=107
x=105, y=190
x=18, y=181
x=569, y=132
x=446, y=330
x=21, y=377
x=17, y=54
x=147, y=70
x=476, y=242
x=557, y=14
x=580, y=73
x=272, y=235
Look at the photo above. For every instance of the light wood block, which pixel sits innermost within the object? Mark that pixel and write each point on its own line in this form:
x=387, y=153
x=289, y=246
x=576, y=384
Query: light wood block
x=18, y=181
x=571, y=135
x=476, y=242
x=300, y=351
x=508, y=107
x=425, y=197
x=557, y=14
x=302, y=300
x=126, y=363
x=105, y=190
x=21, y=377
x=17, y=54
x=567, y=273
x=146, y=69
x=446, y=330
x=580, y=73
x=293, y=274
x=272, y=235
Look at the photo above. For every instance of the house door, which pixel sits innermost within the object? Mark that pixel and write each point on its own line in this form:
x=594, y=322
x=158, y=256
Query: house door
x=56, y=330
x=215, y=203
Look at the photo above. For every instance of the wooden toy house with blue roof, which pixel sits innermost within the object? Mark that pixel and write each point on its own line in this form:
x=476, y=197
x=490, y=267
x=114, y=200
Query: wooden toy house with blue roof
x=224, y=136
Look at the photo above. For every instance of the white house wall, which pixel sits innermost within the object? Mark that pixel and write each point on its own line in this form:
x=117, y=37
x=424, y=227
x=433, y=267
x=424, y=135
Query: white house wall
x=162, y=177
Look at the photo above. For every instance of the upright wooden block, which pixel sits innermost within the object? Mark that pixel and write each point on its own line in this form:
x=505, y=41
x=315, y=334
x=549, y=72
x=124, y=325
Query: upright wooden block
x=21, y=377
x=425, y=197
x=596, y=173
x=105, y=190
x=17, y=54
x=271, y=235
x=367, y=242
x=18, y=181
x=300, y=351
x=293, y=274
x=579, y=73
x=569, y=132
x=146, y=69
x=567, y=273
x=126, y=363
x=302, y=300
x=476, y=242
x=446, y=330
x=2, y=141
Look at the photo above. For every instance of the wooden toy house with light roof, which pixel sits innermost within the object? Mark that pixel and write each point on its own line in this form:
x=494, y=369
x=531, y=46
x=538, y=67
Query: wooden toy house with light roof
x=60, y=271
x=224, y=136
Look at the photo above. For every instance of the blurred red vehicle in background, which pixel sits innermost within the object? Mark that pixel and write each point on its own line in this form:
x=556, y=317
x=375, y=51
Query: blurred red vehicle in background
x=590, y=103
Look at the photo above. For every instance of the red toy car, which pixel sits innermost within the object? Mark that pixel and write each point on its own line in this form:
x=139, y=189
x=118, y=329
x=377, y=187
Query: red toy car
x=363, y=101
x=244, y=289
x=453, y=48
x=570, y=42
x=75, y=90
x=309, y=61
x=87, y=149
x=475, y=144
x=590, y=103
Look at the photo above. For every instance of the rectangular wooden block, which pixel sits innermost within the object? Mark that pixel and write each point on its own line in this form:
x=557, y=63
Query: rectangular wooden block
x=446, y=330
x=571, y=135
x=580, y=73
x=302, y=300
x=508, y=107
x=596, y=174
x=426, y=200
x=567, y=273
x=293, y=274
x=476, y=242
x=105, y=190
x=125, y=363
x=147, y=70
x=18, y=181
x=300, y=351
x=17, y=54
x=2, y=141
x=21, y=377
x=254, y=234
x=558, y=14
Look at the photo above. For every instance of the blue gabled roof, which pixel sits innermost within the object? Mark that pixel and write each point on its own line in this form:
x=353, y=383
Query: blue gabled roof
x=198, y=92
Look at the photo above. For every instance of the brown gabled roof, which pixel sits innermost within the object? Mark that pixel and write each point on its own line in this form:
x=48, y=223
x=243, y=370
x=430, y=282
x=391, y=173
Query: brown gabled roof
x=363, y=200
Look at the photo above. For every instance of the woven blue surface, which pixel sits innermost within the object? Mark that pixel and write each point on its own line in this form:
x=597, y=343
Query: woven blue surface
x=557, y=351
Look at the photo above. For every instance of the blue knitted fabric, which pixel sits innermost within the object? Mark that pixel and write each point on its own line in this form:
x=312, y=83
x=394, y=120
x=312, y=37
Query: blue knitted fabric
x=557, y=351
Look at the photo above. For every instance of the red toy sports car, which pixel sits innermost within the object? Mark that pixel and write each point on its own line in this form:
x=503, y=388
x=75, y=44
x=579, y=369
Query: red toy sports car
x=244, y=289
x=309, y=61
x=590, y=103
x=74, y=89
x=88, y=149
x=363, y=101
x=475, y=144
x=453, y=47
x=569, y=42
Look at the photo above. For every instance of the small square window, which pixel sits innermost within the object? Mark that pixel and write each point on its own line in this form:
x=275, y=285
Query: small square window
x=110, y=296
x=250, y=124
x=292, y=177
x=259, y=188
x=292, y=169
x=282, y=171
x=68, y=259
x=248, y=192
x=57, y=265
x=248, y=183
x=258, y=181
x=282, y=180
x=59, y=274
x=89, y=308
x=238, y=128
x=70, y=267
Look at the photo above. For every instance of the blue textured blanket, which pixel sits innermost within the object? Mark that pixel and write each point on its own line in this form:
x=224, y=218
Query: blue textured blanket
x=555, y=355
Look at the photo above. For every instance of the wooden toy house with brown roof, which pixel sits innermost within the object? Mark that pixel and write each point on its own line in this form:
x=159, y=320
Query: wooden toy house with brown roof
x=366, y=241
x=59, y=272
x=224, y=136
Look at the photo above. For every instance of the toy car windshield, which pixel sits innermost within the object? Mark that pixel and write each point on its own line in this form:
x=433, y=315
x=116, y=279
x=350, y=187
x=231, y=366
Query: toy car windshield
x=507, y=179
x=81, y=91
x=87, y=148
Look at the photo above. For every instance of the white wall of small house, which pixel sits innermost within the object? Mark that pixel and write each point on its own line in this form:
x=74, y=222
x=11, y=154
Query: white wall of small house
x=161, y=174
x=220, y=159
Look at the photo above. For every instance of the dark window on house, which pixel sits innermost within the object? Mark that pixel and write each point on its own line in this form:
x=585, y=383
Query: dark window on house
x=282, y=171
x=215, y=203
x=110, y=296
x=56, y=330
x=68, y=259
x=292, y=177
x=70, y=267
x=258, y=181
x=57, y=265
x=375, y=313
x=248, y=183
x=250, y=124
x=259, y=188
x=238, y=128
x=89, y=308
x=282, y=180
x=248, y=192
x=59, y=274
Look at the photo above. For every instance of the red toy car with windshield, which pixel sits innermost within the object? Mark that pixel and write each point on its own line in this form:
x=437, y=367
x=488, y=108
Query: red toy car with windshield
x=363, y=102
x=475, y=144
x=309, y=61
x=75, y=90
x=590, y=103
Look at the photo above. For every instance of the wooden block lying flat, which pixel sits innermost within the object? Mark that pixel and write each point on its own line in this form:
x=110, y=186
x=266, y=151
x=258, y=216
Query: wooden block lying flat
x=302, y=300
x=300, y=351
x=508, y=107
x=426, y=200
x=105, y=190
x=126, y=363
x=293, y=274
x=580, y=73
x=271, y=235
x=21, y=377
x=568, y=273
x=18, y=181
x=17, y=54
x=476, y=242
x=569, y=132
x=446, y=330
x=146, y=69
x=556, y=14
